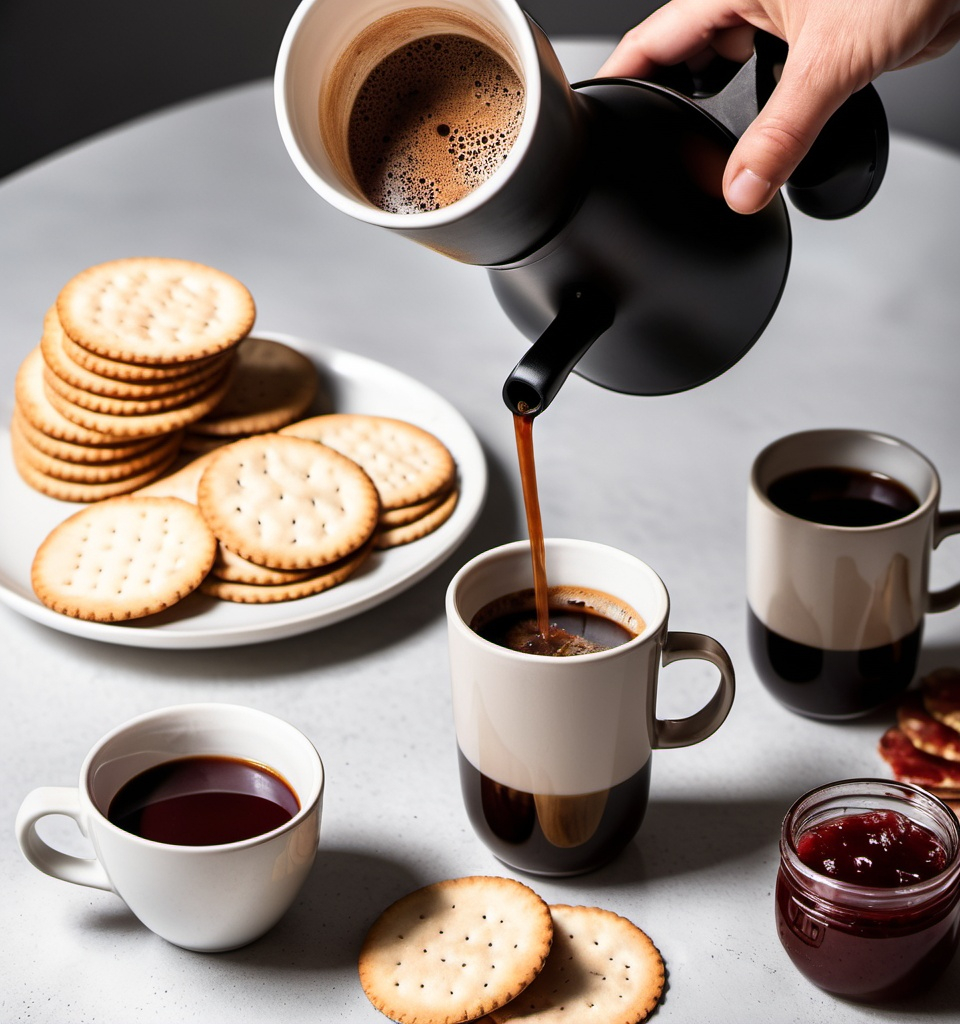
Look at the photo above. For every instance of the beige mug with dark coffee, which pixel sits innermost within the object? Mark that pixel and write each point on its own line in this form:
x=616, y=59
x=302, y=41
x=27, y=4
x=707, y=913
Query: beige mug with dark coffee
x=555, y=752
x=840, y=528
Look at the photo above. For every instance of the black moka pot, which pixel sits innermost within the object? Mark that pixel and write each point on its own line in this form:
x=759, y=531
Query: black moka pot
x=605, y=233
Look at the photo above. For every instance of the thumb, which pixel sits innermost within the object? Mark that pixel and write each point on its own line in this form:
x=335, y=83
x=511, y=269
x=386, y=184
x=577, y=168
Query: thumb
x=781, y=134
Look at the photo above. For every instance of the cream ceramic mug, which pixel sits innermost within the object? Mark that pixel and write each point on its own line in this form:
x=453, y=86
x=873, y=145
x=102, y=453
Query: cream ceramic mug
x=205, y=898
x=555, y=753
x=840, y=528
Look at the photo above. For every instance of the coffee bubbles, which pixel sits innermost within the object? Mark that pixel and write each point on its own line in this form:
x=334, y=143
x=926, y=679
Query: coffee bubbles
x=434, y=119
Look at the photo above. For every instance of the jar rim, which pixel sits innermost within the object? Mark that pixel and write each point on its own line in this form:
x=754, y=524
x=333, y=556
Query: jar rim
x=886, y=794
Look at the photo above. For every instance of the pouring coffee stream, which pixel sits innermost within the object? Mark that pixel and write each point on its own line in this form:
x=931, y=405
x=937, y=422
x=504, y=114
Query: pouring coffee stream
x=601, y=222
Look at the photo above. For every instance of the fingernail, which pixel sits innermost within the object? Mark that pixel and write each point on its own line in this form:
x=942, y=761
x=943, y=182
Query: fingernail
x=748, y=192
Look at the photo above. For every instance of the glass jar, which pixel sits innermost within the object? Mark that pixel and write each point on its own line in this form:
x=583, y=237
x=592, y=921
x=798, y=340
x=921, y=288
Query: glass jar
x=859, y=941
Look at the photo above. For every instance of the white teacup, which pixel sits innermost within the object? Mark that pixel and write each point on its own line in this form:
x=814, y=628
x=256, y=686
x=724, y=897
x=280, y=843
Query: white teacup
x=206, y=898
x=555, y=752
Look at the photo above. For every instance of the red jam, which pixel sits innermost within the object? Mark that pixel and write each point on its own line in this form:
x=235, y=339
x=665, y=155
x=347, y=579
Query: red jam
x=868, y=896
x=878, y=848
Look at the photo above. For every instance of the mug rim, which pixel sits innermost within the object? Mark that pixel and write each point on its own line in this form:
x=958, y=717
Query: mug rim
x=651, y=628
x=307, y=807
x=927, y=503
x=528, y=58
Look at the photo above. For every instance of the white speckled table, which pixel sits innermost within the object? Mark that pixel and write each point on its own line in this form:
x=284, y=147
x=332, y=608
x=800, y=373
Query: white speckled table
x=867, y=334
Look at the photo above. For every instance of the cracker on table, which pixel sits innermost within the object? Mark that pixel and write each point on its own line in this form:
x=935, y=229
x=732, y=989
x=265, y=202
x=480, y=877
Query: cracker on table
x=123, y=558
x=455, y=950
x=313, y=582
x=601, y=968
x=273, y=384
x=287, y=503
x=155, y=310
x=392, y=537
x=407, y=463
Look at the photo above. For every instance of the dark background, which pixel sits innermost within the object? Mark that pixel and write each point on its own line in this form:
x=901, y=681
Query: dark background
x=69, y=69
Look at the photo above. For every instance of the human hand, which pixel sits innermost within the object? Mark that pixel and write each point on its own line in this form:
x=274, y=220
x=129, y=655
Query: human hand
x=835, y=48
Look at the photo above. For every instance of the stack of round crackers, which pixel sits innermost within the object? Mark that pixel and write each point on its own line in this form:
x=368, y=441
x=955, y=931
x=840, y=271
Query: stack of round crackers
x=132, y=352
x=290, y=515
x=414, y=473
x=293, y=518
x=491, y=948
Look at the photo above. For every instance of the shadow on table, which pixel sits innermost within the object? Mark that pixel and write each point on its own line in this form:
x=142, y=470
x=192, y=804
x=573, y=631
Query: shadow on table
x=343, y=896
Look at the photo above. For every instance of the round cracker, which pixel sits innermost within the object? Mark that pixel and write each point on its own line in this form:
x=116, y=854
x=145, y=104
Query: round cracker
x=139, y=424
x=128, y=405
x=455, y=950
x=87, y=454
x=92, y=472
x=602, y=967
x=85, y=380
x=182, y=481
x=270, y=593
x=85, y=491
x=286, y=502
x=395, y=536
x=272, y=386
x=155, y=310
x=32, y=401
x=392, y=517
x=231, y=568
x=123, y=559
x=137, y=373
x=407, y=463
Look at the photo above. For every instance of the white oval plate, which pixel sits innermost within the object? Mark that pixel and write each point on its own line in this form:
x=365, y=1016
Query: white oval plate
x=355, y=384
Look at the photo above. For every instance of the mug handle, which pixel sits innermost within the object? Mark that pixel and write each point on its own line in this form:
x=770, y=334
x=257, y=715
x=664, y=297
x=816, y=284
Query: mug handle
x=57, y=800
x=682, y=732
x=947, y=524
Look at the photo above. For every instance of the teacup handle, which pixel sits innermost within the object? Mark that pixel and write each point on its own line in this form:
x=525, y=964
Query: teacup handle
x=56, y=800
x=682, y=732
x=948, y=523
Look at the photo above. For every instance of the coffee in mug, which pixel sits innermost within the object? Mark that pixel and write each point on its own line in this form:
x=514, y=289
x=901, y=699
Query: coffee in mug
x=840, y=526
x=555, y=752
x=165, y=800
x=581, y=622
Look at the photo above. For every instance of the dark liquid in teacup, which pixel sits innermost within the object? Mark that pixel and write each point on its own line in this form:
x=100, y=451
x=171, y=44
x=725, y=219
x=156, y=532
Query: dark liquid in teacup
x=840, y=496
x=203, y=801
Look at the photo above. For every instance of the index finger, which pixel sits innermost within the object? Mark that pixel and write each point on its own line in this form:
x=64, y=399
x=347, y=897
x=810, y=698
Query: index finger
x=675, y=32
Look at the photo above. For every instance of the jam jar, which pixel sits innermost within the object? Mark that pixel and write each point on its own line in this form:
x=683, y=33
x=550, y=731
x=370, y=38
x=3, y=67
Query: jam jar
x=868, y=888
